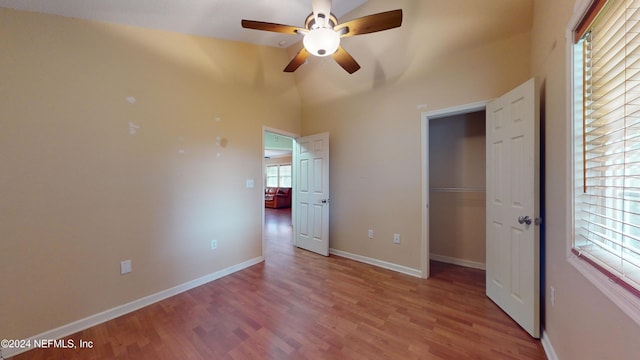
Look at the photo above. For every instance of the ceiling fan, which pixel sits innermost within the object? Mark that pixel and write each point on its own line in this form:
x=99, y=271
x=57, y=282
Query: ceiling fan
x=322, y=33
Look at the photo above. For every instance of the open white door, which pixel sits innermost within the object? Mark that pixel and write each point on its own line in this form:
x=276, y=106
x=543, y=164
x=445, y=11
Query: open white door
x=311, y=158
x=513, y=239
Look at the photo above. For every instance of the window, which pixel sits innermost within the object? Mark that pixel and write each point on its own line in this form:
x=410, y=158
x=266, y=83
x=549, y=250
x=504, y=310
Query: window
x=278, y=175
x=272, y=176
x=284, y=176
x=606, y=63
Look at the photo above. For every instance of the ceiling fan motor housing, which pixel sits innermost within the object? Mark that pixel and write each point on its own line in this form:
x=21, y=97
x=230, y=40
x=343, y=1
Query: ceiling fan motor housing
x=321, y=40
x=311, y=22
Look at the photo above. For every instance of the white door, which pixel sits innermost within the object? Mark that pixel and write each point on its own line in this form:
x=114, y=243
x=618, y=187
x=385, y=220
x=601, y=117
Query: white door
x=513, y=241
x=311, y=156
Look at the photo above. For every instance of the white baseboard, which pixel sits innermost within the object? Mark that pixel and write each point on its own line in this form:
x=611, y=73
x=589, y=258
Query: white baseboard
x=378, y=263
x=455, y=261
x=117, y=311
x=548, y=348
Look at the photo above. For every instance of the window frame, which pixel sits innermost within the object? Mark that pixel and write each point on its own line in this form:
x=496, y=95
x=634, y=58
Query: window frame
x=267, y=176
x=290, y=175
x=278, y=174
x=627, y=301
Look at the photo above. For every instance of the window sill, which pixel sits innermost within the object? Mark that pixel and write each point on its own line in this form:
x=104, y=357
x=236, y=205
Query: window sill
x=627, y=302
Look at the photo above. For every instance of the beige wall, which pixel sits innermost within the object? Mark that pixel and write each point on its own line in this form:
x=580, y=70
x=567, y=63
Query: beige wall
x=79, y=194
x=375, y=140
x=457, y=188
x=447, y=53
x=583, y=324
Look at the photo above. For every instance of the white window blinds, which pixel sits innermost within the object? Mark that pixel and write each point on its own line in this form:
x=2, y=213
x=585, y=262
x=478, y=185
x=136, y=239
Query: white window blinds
x=608, y=207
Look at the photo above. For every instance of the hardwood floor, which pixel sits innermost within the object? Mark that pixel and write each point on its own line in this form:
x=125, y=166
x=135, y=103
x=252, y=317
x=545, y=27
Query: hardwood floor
x=298, y=305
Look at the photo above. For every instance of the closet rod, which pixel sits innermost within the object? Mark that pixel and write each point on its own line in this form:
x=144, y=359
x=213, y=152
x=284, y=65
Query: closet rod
x=457, y=189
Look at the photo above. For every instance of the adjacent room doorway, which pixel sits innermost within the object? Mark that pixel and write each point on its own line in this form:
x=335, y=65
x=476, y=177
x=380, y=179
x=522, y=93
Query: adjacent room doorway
x=304, y=161
x=278, y=186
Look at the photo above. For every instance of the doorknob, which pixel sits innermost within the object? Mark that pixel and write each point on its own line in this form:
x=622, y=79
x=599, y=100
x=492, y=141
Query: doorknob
x=524, y=220
x=324, y=201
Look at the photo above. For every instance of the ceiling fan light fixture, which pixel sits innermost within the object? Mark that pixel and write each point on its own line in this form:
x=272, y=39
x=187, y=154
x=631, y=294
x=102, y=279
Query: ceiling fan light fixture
x=321, y=41
x=322, y=33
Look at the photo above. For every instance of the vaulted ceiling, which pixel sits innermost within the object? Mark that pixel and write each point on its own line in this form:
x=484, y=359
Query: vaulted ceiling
x=212, y=18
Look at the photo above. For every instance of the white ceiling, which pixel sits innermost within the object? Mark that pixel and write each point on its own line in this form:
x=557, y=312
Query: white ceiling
x=211, y=18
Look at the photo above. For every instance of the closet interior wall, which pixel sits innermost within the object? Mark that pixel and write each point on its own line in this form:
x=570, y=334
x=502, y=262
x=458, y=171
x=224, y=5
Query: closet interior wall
x=457, y=194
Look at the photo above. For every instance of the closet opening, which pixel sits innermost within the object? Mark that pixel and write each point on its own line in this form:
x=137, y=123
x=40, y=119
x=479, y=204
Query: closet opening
x=456, y=189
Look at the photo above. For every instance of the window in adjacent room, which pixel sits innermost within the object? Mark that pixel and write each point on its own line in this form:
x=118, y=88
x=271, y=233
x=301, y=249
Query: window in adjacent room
x=606, y=64
x=284, y=176
x=278, y=175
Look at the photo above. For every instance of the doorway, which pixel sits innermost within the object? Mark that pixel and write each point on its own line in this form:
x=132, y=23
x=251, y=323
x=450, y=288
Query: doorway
x=512, y=193
x=307, y=180
x=278, y=189
x=452, y=185
x=457, y=180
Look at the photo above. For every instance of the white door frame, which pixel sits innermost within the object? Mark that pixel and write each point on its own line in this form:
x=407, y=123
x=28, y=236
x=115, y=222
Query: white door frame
x=426, y=116
x=268, y=129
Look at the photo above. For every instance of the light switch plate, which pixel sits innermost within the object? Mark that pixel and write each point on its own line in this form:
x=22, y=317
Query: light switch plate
x=125, y=267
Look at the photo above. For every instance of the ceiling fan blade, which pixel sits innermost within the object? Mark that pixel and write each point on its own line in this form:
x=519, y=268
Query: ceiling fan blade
x=298, y=60
x=344, y=59
x=266, y=26
x=371, y=23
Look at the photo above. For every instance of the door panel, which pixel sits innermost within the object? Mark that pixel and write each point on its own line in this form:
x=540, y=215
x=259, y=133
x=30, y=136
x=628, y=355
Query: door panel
x=312, y=193
x=303, y=172
x=303, y=216
x=513, y=246
x=516, y=264
x=318, y=222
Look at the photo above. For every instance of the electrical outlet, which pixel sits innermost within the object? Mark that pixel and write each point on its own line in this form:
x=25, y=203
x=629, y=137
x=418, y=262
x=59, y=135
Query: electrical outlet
x=396, y=238
x=370, y=233
x=214, y=244
x=125, y=267
x=552, y=295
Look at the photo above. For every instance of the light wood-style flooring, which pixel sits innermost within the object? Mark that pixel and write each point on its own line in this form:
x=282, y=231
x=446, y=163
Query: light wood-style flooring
x=298, y=305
